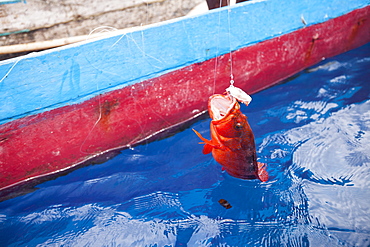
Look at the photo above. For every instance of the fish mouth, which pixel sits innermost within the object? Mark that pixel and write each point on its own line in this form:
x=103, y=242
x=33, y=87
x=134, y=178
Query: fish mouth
x=219, y=106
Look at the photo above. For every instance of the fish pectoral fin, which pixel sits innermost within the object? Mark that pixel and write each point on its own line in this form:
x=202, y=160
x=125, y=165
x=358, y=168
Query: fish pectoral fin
x=201, y=137
x=207, y=149
x=262, y=173
x=208, y=144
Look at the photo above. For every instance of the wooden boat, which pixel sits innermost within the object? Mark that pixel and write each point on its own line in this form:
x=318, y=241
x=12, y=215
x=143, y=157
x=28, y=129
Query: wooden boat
x=37, y=25
x=65, y=107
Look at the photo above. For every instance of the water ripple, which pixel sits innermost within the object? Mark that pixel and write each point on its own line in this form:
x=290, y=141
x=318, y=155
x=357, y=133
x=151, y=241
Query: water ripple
x=313, y=132
x=331, y=159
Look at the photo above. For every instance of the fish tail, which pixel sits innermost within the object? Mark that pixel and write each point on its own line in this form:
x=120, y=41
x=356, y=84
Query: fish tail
x=262, y=173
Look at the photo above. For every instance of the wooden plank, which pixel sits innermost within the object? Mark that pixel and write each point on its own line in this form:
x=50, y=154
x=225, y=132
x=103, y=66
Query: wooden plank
x=10, y=1
x=33, y=21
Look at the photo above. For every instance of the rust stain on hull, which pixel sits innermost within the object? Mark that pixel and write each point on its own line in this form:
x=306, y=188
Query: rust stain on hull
x=355, y=31
x=105, y=110
x=307, y=58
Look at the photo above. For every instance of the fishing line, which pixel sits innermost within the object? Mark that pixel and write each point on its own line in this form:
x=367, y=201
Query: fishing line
x=233, y=91
x=101, y=30
x=230, y=50
x=10, y=70
x=129, y=39
x=217, y=51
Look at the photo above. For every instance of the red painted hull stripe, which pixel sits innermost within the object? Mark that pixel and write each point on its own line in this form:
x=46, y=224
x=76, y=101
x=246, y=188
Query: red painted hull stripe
x=59, y=139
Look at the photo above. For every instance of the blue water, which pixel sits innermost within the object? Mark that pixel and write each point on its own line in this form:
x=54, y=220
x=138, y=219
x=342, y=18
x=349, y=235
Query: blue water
x=312, y=131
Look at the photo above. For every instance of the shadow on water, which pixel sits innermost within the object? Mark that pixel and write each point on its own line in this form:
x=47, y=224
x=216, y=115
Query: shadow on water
x=312, y=132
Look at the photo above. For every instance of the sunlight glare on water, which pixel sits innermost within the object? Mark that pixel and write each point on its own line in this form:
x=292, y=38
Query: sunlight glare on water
x=312, y=131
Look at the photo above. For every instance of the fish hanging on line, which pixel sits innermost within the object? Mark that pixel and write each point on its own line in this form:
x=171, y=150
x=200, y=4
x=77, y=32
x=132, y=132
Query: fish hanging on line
x=232, y=140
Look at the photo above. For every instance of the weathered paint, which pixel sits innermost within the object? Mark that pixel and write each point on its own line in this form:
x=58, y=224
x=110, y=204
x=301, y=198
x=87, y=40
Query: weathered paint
x=63, y=137
x=55, y=19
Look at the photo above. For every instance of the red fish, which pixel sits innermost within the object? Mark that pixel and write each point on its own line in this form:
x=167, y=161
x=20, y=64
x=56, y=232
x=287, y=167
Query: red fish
x=232, y=144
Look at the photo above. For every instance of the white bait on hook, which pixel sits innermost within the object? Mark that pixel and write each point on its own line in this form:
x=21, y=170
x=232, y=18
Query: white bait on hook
x=239, y=94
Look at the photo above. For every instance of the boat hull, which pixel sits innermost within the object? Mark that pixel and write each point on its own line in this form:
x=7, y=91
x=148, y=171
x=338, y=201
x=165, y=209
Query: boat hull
x=43, y=144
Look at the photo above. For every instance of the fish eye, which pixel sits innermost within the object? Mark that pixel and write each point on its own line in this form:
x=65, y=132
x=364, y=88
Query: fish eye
x=238, y=126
